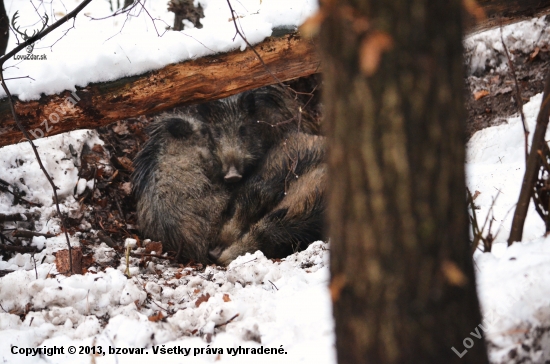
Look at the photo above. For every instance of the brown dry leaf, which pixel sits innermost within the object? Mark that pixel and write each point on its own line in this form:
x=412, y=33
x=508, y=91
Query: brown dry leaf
x=155, y=318
x=98, y=148
x=453, y=274
x=126, y=163
x=336, y=286
x=226, y=297
x=154, y=246
x=476, y=193
x=87, y=261
x=196, y=290
x=126, y=188
x=62, y=261
x=480, y=94
x=311, y=26
x=121, y=128
x=201, y=299
x=371, y=51
x=473, y=8
x=534, y=54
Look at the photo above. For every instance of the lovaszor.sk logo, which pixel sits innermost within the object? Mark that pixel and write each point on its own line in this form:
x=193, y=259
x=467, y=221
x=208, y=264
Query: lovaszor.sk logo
x=29, y=56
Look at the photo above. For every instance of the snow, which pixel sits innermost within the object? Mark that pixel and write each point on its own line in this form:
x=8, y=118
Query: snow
x=255, y=303
x=99, y=48
x=282, y=304
x=513, y=283
x=485, y=49
x=495, y=161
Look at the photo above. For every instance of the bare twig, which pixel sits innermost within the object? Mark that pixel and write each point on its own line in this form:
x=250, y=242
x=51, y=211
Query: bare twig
x=4, y=187
x=251, y=47
x=18, y=249
x=3, y=59
x=519, y=100
x=532, y=168
x=54, y=187
x=11, y=217
x=478, y=232
x=30, y=234
x=42, y=34
x=106, y=239
x=141, y=255
x=273, y=284
x=35, y=270
x=116, y=13
x=227, y=322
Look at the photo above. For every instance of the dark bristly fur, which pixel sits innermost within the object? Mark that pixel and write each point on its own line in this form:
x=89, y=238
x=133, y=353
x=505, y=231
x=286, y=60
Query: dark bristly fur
x=278, y=210
x=258, y=143
x=247, y=125
x=178, y=201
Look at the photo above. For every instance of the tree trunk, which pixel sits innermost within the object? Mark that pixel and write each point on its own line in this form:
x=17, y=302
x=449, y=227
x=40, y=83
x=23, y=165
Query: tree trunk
x=403, y=283
x=4, y=28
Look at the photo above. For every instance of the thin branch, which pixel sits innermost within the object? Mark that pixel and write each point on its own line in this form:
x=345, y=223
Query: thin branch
x=3, y=59
x=11, y=217
x=42, y=34
x=519, y=100
x=18, y=249
x=17, y=196
x=226, y=322
x=251, y=47
x=30, y=234
x=54, y=187
x=141, y=255
x=116, y=13
x=532, y=167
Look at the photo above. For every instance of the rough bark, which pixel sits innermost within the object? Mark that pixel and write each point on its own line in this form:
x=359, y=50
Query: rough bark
x=195, y=81
x=402, y=275
x=4, y=28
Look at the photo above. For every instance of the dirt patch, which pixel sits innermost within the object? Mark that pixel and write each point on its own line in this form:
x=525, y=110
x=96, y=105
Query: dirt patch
x=499, y=87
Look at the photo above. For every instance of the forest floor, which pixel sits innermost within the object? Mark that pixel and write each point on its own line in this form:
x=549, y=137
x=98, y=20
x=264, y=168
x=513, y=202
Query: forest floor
x=255, y=301
x=491, y=94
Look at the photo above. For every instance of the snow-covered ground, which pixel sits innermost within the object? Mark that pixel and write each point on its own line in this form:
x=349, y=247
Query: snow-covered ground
x=513, y=283
x=256, y=303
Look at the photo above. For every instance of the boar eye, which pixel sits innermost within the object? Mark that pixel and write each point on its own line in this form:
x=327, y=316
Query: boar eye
x=242, y=131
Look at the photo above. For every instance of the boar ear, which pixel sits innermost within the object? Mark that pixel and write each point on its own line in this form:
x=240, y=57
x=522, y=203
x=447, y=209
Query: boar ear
x=271, y=97
x=210, y=111
x=179, y=128
x=247, y=102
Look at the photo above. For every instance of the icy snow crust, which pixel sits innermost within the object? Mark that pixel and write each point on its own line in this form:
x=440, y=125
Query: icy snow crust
x=108, y=48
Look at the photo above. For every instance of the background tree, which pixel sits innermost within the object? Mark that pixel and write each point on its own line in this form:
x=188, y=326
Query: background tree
x=402, y=277
x=4, y=28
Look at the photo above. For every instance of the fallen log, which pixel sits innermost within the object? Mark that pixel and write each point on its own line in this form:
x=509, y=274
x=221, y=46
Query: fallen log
x=208, y=78
x=504, y=12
